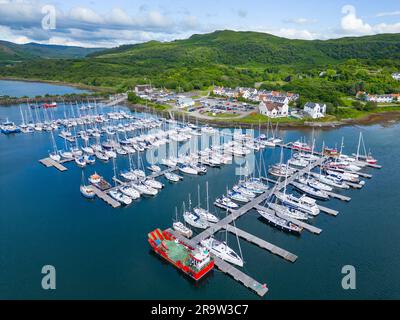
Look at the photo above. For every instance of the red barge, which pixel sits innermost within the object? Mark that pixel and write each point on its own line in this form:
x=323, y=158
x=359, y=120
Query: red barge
x=195, y=262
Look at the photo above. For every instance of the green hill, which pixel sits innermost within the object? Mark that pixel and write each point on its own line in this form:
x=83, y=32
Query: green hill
x=235, y=58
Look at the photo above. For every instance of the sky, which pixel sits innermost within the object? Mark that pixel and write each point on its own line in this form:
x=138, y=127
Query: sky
x=111, y=23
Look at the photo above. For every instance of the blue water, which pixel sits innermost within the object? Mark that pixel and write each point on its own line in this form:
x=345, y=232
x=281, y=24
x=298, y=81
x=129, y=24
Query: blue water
x=32, y=89
x=100, y=252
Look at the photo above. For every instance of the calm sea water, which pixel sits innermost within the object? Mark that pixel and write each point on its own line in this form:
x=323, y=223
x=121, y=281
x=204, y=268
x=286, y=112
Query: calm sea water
x=100, y=252
x=33, y=89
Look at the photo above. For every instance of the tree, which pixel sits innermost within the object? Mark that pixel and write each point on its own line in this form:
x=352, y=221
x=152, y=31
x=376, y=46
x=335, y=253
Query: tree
x=132, y=97
x=369, y=106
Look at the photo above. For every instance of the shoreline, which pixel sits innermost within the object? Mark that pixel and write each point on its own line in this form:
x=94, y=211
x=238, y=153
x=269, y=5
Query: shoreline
x=59, y=83
x=370, y=119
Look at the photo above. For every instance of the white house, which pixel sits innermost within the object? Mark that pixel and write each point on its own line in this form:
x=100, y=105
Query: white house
x=273, y=109
x=396, y=76
x=384, y=98
x=184, y=102
x=247, y=93
x=315, y=110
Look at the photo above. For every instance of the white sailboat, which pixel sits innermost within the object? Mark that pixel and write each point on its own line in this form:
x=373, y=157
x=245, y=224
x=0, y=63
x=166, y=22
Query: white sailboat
x=205, y=214
x=181, y=228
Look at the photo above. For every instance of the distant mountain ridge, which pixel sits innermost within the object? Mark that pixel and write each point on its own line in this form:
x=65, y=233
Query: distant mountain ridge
x=11, y=52
x=321, y=70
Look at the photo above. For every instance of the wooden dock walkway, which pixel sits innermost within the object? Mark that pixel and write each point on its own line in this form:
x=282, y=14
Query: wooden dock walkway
x=328, y=210
x=229, y=269
x=48, y=163
x=105, y=197
x=262, y=243
x=338, y=196
x=247, y=281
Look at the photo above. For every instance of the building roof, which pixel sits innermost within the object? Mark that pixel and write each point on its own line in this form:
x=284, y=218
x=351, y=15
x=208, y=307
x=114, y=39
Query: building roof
x=272, y=105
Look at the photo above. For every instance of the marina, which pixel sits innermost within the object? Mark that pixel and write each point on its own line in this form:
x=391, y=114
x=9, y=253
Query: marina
x=234, y=212
x=199, y=157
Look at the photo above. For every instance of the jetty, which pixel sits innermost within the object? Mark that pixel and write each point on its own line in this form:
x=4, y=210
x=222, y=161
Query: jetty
x=105, y=197
x=48, y=163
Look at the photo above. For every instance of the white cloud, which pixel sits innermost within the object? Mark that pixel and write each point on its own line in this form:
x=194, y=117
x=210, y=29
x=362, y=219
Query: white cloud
x=387, y=14
x=295, y=34
x=85, y=15
x=300, y=21
x=353, y=25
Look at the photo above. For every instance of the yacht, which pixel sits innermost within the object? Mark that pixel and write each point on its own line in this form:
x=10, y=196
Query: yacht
x=332, y=181
x=302, y=203
x=288, y=211
x=89, y=159
x=298, y=163
x=314, y=183
x=187, y=170
x=143, y=189
x=243, y=191
x=172, y=177
x=205, y=215
x=236, y=196
x=120, y=197
x=194, y=220
x=87, y=192
x=312, y=192
x=280, y=223
x=153, y=183
x=130, y=192
x=182, y=229
x=154, y=168
x=101, y=156
x=55, y=156
x=222, y=251
x=346, y=176
x=225, y=203
x=80, y=161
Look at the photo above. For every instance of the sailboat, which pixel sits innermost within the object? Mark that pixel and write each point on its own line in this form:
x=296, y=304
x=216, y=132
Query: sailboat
x=180, y=227
x=222, y=250
x=204, y=213
x=55, y=154
x=117, y=195
x=193, y=219
x=85, y=190
x=280, y=223
x=367, y=157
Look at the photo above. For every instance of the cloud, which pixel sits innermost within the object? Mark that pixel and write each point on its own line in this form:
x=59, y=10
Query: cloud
x=20, y=21
x=353, y=25
x=300, y=21
x=388, y=14
x=295, y=34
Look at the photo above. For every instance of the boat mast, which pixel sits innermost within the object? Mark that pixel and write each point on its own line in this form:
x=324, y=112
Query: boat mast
x=207, y=196
x=359, y=144
x=198, y=196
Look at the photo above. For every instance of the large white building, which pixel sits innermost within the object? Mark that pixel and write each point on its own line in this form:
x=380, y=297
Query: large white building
x=273, y=109
x=315, y=110
x=396, y=76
